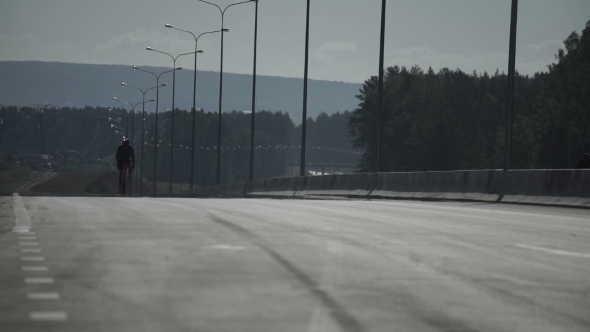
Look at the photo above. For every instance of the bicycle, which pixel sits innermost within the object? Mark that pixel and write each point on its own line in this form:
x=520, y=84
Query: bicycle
x=123, y=178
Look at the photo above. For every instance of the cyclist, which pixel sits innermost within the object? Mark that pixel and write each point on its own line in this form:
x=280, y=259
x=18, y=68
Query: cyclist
x=584, y=162
x=125, y=156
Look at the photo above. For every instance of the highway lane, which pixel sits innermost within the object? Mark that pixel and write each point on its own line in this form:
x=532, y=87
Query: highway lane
x=147, y=264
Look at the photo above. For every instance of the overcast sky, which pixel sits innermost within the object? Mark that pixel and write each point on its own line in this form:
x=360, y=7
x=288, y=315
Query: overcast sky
x=344, y=37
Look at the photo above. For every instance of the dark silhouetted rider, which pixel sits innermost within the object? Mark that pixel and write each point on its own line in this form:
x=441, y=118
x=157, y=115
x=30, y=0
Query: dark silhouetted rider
x=584, y=162
x=125, y=156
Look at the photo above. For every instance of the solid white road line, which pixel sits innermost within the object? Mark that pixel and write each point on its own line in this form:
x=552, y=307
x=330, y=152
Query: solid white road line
x=39, y=280
x=554, y=251
x=43, y=296
x=35, y=268
x=48, y=315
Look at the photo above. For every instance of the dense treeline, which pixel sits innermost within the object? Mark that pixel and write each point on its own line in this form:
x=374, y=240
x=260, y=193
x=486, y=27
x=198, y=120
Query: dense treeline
x=455, y=120
x=85, y=139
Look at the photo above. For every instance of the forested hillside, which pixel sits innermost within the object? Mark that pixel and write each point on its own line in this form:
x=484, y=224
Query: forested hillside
x=85, y=140
x=450, y=119
x=28, y=83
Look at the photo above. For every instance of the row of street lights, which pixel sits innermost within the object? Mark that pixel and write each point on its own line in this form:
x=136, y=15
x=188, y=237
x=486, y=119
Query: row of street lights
x=143, y=92
x=157, y=76
x=193, y=110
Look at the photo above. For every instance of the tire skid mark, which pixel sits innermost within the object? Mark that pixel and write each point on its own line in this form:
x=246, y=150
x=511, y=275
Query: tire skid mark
x=345, y=320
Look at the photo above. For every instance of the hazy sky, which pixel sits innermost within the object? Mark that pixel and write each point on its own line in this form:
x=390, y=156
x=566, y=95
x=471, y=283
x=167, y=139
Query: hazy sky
x=344, y=37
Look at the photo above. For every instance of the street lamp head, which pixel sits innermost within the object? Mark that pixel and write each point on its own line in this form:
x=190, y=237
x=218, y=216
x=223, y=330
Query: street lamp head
x=149, y=48
x=114, y=98
x=164, y=84
x=179, y=68
x=200, y=51
x=168, y=26
x=225, y=29
x=124, y=84
x=135, y=67
x=152, y=100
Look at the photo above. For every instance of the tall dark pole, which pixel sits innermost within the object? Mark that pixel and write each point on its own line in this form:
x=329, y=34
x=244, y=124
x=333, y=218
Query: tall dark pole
x=42, y=131
x=218, y=168
x=132, y=144
x=194, y=121
x=172, y=131
x=174, y=69
x=194, y=94
x=143, y=102
x=2, y=123
x=132, y=124
x=155, y=190
x=142, y=143
x=253, y=109
x=157, y=76
x=82, y=138
x=222, y=11
x=194, y=115
x=511, y=74
x=380, y=88
x=304, y=116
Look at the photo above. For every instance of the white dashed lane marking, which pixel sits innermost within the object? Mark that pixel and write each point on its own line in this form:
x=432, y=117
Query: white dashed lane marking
x=39, y=280
x=21, y=217
x=29, y=251
x=32, y=259
x=43, y=296
x=48, y=315
x=35, y=268
x=28, y=243
x=29, y=239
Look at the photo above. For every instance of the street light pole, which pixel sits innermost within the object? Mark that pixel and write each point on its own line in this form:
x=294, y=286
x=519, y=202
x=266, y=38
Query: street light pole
x=380, y=88
x=172, y=120
x=511, y=73
x=2, y=123
x=304, y=115
x=222, y=11
x=194, y=110
x=157, y=76
x=253, y=109
x=143, y=92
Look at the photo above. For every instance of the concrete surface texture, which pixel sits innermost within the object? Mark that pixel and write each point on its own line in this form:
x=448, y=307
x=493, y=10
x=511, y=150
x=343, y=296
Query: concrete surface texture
x=131, y=264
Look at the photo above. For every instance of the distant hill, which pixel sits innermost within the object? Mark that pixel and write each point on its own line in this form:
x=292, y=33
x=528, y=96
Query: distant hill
x=28, y=83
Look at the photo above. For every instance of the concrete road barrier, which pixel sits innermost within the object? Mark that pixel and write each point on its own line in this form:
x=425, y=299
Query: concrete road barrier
x=551, y=187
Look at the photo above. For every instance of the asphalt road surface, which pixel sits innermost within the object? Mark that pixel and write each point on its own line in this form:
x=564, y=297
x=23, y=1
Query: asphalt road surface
x=143, y=264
